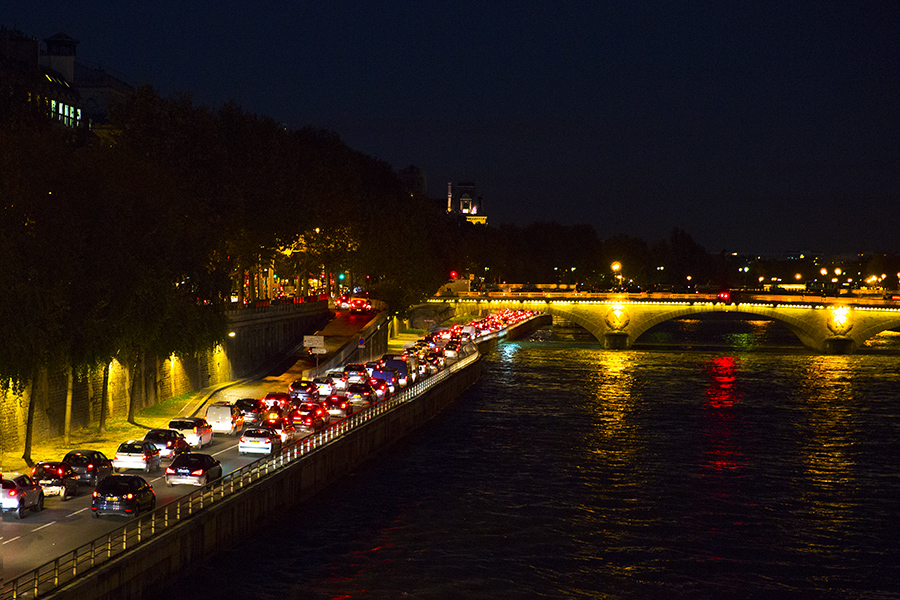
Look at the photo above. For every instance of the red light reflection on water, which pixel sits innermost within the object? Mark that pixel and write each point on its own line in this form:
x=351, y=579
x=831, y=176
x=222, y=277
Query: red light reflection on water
x=723, y=453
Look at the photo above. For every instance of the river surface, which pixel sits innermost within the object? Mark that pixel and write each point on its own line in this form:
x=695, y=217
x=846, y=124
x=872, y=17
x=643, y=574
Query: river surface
x=742, y=467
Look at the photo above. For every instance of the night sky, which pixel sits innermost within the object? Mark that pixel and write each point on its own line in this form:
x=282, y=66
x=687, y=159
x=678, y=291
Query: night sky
x=755, y=126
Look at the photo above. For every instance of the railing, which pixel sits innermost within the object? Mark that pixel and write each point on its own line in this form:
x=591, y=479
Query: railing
x=66, y=568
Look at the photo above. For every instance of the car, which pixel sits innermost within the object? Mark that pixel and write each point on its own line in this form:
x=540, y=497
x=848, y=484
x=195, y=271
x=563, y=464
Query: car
x=282, y=426
x=382, y=391
x=137, y=454
x=123, y=495
x=56, y=478
x=195, y=469
x=338, y=381
x=251, y=409
x=19, y=492
x=451, y=350
x=356, y=373
x=304, y=389
x=169, y=442
x=277, y=399
x=390, y=377
x=361, y=395
x=359, y=306
x=196, y=430
x=259, y=440
x=91, y=466
x=337, y=405
x=325, y=385
x=343, y=301
x=310, y=416
x=225, y=417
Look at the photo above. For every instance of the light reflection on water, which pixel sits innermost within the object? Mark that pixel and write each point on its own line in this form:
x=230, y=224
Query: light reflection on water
x=573, y=472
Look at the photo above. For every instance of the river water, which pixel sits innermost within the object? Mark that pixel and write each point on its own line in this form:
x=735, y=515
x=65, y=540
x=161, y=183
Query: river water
x=717, y=460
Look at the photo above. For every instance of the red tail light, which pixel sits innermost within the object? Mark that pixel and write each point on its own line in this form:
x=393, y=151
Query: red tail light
x=170, y=471
x=243, y=440
x=169, y=444
x=60, y=472
x=12, y=493
x=90, y=467
x=96, y=494
x=129, y=496
x=197, y=472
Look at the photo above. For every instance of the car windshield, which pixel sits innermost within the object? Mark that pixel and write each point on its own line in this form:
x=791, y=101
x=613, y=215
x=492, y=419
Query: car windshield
x=157, y=436
x=51, y=469
x=78, y=460
x=131, y=448
x=190, y=460
x=258, y=433
x=181, y=424
x=115, y=484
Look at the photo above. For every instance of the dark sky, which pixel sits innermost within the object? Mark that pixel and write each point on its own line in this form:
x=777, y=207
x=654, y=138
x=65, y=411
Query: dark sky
x=756, y=126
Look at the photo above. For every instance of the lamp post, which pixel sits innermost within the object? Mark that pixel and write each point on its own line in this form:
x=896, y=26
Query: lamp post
x=616, y=269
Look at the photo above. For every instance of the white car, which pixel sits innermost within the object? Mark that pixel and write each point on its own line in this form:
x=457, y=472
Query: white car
x=259, y=440
x=137, y=454
x=195, y=430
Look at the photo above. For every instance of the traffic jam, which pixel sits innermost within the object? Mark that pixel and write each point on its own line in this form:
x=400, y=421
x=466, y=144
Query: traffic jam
x=122, y=485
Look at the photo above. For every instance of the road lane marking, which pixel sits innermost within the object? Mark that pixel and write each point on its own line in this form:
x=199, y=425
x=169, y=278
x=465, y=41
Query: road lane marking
x=42, y=526
x=79, y=511
x=12, y=540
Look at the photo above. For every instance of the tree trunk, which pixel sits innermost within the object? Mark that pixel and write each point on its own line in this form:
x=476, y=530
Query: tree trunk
x=70, y=385
x=132, y=390
x=29, y=422
x=104, y=398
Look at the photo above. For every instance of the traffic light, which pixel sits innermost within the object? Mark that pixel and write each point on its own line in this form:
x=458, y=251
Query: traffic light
x=341, y=276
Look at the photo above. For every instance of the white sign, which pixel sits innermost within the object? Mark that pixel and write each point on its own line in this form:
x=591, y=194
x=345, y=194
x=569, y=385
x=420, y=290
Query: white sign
x=314, y=341
x=318, y=350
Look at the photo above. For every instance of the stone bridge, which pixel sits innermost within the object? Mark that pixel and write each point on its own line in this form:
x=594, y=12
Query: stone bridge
x=829, y=326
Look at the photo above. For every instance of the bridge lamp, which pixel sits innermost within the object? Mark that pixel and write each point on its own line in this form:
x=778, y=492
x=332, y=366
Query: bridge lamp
x=824, y=271
x=798, y=276
x=837, y=271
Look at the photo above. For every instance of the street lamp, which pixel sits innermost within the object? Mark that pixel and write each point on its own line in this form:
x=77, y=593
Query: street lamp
x=616, y=268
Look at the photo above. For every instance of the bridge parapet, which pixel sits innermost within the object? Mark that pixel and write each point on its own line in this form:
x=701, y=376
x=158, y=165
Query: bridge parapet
x=618, y=320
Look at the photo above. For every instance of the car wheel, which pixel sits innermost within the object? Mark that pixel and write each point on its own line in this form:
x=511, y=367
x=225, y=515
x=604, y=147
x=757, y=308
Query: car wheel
x=20, y=512
x=147, y=468
x=39, y=506
x=95, y=514
x=137, y=510
x=153, y=505
x=65, y=493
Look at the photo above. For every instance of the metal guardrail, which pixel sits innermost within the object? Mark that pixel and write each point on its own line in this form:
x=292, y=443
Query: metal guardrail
x=66, y=568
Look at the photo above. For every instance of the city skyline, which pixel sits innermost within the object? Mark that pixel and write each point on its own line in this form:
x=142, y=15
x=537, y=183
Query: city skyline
x=754, y=128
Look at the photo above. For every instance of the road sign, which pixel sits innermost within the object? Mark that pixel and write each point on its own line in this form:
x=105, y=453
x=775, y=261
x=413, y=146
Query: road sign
x=362, y=342
x=318, y=350
x=314, y=341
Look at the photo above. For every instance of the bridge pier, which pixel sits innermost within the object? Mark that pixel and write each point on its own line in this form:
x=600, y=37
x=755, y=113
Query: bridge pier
x=616, y=340
x=838, y=345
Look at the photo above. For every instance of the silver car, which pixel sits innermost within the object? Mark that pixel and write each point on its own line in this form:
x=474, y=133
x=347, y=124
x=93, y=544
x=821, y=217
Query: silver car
x=20, y=493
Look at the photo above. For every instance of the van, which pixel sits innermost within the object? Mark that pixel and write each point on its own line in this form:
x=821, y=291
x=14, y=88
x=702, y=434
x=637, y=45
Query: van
x=225, y=417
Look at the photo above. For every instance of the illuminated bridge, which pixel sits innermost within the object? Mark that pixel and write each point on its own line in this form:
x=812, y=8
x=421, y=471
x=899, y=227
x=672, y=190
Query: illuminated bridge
x=836, y=325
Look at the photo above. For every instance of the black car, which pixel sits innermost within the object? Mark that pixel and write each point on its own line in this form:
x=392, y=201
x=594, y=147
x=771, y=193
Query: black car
x=195, y=469
x=56, y=478
x=91, y=466
x=251, y=408
x=123, y=495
